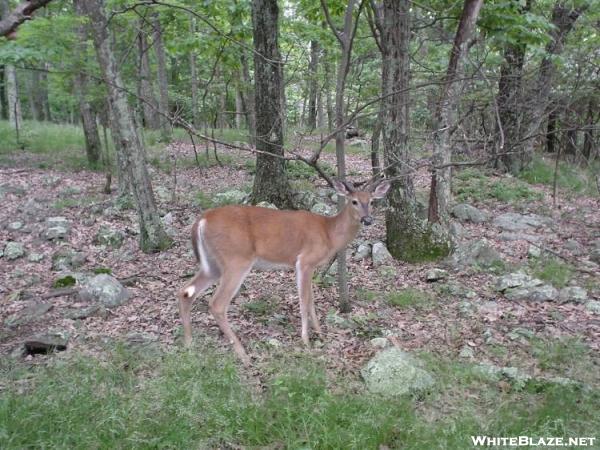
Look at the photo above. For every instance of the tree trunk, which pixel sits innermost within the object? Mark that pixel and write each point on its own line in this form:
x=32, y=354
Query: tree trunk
x=163, y=82
x=375, y=140
x=149, y=107
x=239, y=109
x=44, y=100
x=313, y=86
x=270, y=182
x=152, y=235
x=327, y=93
x=321, y=119
x=250, y=95
x=588, y=136
x=194, y=80
x=444, y=117
x=551, y=131
x=3, y=100
x=34, y=113
x=12, y=96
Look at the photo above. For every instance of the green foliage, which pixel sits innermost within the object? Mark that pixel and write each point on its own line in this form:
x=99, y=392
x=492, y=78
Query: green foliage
x=553, y=271
x=569, y=177
x=410, y=298
x=261, y=307
x=101, y=270
x=471, y=185
x=65, y=281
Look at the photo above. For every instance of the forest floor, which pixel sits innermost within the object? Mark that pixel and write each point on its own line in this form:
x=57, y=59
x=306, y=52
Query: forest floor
x=461, y=318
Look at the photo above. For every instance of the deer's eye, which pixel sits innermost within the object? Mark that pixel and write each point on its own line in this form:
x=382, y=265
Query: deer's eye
x=355, y=202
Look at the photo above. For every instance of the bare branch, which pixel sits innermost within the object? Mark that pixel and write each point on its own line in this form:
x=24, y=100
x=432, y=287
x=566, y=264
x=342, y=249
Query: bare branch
x=21, y=13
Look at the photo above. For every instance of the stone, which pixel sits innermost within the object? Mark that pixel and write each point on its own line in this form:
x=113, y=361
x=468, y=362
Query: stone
x=168, y=221
x=265, y=204
x=15, y=226
x=456, y=230
x=232, y=197
x=32, y=312
x=380, y=342
x=496, y=373
x=322, y=209
x=66, y=258
x=521, y=222
x=109, y=237
x=11, y=189
x=516, y=279
x=574, y=294
x=35, y=257
x=489, y=307
x=593, y=306
x=46, y=343
x=84, y=313
x=140, y=338
x=393, y=372
x=595, y=255
x=163, y=194
x=467, y=309
x=574, y=247
x=519, y=332
x=436, y=274
x=466, y=353
x=381, y=255
x=467, y=213
x=14, y=250
x=275, y=343
x=471, y=253
x=105, y=290
x=533, y=251
x=363, y=251
x=57, y=228
x=541, y=293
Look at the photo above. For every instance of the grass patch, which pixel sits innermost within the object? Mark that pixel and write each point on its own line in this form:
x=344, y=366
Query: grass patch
x=560, y=355
x=570, y=177
x=472, y=185
x=553, y=271
x=197, y=399
x=410, y=298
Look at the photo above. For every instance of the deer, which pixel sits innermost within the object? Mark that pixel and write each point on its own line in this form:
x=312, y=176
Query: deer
x=230, y=241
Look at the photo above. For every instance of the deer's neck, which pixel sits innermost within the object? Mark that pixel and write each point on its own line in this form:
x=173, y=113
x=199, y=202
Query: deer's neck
x=343, y=228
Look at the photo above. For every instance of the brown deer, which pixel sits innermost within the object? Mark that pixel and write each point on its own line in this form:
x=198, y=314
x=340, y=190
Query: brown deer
x=229, y=241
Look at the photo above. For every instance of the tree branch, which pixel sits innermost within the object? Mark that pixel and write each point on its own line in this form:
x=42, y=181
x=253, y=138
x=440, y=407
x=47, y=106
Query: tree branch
x=21, y=13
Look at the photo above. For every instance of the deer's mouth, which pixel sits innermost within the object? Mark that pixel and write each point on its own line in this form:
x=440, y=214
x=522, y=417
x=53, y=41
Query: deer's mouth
x=367, y=220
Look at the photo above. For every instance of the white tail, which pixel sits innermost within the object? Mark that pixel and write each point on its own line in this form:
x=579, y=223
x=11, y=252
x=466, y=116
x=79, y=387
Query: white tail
x=231, y=240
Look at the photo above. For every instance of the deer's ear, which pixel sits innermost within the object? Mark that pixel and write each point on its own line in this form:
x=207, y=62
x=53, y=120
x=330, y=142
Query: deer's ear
x=381, y=189
x=341, y=188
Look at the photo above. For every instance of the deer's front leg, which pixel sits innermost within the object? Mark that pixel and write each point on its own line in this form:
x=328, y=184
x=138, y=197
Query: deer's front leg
x=304, y=281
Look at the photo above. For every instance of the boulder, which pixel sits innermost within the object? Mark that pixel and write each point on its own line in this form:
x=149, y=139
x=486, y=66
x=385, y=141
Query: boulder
x=363, y=251
x=521, y=222
x=495, y=373
x=471, y=253
x=541, y=293
x=13, y=250
x=393, y=372
x=57, y=228
x=509, y=236
x=266, y=205
x=467, y=213
x=109, y=237
x=322, y=209
x=66, y=258
x=33, y=311
x=105, y=290
x=574, y=294
x=46, y=343
x=381, y=255
x=516, y=280
x=232, y=197
x=593, y=306
x=436, y=274
x=35, y=257
x=15, y=226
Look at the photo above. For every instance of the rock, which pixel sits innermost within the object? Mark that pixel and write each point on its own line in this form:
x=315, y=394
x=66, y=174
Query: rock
x=394, y=372
x=322, y=209
x=533, y=251
x=35, y=257
x=574, y=294
x=57, y=228
x=11, y=189
x=593, y=306
x=163, y=194
x=104, y=289
x=595, y=255
x=66, y=258
x=334, y=319
x=275, y=343
x=574, y=247
x=45, y=343
x=521, y=222
x=84, y=313
x=467, y=353
x=14, y=250
x=456, y=230
x=232, y=197
x=467, y=309
x=333, y=269
x=379, y=342
x=169, y=223
x=15, y=226
x=491, y=308
x=509, y=236
x=541, y=293
x=30, y=313
x=305, y=199
x=363, y=251
x=516, y=279
x=467, y=213
x=266, y=205
x=140, y=338
x=109, y=237
x=496, y=373
x=518, y=333
x=381, y=255
x=472, y=253
x=436, y=274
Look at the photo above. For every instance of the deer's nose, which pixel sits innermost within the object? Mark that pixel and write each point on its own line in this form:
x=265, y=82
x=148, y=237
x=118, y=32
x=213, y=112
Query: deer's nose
x=367, y=220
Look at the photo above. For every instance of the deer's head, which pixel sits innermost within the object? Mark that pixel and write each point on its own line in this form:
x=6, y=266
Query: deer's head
x=361, y=201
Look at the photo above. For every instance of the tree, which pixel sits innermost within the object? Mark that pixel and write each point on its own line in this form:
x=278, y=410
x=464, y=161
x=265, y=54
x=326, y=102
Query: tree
x=163, y=82
x=149, y=107
x=21, y=13
x=270, y=182
x=313, y=84
x=444, y=116
x=152, y=235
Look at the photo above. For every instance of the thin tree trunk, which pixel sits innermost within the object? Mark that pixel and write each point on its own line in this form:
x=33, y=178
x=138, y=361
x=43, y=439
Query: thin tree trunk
x=375, y=139
x=588, y=136
x=151, y=118
x=445, y=116
x=313, y=84
x=270, y=182
x=3, y=100
x=551, y=131
x=152, y=234
x=239, y=109
x=321, y=120
x=12, y=95
x=250, y=99
x=163, y=82
x=327, y=93
x=44, y=97
x=194, y=79
x=31, y=94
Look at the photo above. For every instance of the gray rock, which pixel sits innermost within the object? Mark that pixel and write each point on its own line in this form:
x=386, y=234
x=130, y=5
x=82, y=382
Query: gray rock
x=14, y=250
x=84, y=313
x=593, y=306
x=266, y=205
x=169, y=223
x=35, y=257
x=379, y=342
x=140, y=338
x=496, y=373
x=574, y=247
x=322, y=209
x=490, y=308
x=363, y=251
x=232, y=197
x=275, y=343
x=104, y=289
x=466, y=353
x=521, y=222
x=11, y=189
x=66, y=258
x=393, y=372
x=15, y=226
x=109, y=237
x=305, y=199
x=456, y=230
x=595, y=255
x=381, y=255
x=57, y=228
x=33, y=311
x=509, y=236
x=46, y=343
x=467, y=213
x=474, y=253
x=516, y=280
x=533, y=251
x=541, y=293
x=163, y=194
x=519, y=332
x=467, y=309
x=436, y=274
x=574, y=294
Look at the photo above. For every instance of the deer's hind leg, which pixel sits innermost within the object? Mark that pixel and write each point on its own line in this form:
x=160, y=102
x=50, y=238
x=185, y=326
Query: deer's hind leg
x=186, y=297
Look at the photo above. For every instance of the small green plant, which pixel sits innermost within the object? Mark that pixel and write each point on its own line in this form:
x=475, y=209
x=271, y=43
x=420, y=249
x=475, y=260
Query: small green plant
x=553, y=271
x=64, y=203
x=471, y=185
x=101, y=270
x=366, y=295
x=559, y=354
x=63, y=282
x=569, y=177
x=410, y=298
x=203, y=200
x=260, y=307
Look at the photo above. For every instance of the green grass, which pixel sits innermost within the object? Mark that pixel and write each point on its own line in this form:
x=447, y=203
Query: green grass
x=198, y=399
x=570, y=177
x=410, y=298
x=553, y=270
x=472, y=185
x=562, y=355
